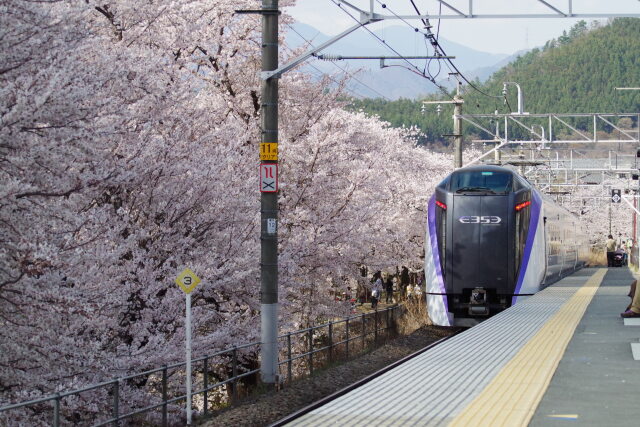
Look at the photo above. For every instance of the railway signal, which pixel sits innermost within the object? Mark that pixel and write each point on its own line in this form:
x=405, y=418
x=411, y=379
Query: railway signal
x=616, y=197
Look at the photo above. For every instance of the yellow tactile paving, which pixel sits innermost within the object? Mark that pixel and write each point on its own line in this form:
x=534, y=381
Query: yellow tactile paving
x=512, y=396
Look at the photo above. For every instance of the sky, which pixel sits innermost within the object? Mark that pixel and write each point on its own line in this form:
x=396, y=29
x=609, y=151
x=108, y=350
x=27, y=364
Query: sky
x=487, y=35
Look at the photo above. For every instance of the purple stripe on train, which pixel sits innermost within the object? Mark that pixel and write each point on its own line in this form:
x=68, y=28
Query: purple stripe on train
x=536, y=208
x=431, y=214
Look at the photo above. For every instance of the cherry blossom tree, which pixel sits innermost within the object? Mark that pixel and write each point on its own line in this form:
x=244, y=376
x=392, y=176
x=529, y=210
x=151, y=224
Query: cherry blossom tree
x=128, y=148
x=593, y=205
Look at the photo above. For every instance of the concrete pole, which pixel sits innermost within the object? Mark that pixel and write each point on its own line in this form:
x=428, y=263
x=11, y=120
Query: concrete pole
x=457, y=129
x=269, y=201
x=609, y=216
x=635, y=234
x=496, y=154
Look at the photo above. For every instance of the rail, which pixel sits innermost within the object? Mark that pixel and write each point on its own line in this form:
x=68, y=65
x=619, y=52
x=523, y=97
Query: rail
x=301, y=352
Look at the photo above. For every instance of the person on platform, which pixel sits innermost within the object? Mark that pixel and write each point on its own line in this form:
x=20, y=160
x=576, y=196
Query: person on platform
x=611, y=250
x=633, y=310
x=623, y=249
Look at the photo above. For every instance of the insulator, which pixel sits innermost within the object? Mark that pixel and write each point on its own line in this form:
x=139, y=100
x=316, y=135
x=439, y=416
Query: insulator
x=330, y=57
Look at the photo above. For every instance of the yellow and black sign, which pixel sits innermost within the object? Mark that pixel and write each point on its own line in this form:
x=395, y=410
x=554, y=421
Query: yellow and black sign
x=269, y=151
x=187, y=280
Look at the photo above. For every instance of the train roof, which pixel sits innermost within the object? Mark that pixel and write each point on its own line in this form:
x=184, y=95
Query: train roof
x=518, y=179
x=488, y=168
x=513, y=171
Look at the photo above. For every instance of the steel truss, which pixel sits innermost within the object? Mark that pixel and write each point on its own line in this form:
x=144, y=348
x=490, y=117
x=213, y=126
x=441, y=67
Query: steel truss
x=467, y=12
x=550, y=150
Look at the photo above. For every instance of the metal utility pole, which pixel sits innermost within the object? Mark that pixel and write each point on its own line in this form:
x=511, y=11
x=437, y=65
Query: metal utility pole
x=269, y=196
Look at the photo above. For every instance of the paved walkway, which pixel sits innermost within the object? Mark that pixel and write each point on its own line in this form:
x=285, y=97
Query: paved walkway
x=597, y=382
x=562, y=355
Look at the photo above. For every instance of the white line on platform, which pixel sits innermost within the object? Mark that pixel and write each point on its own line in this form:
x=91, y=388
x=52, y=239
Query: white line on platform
x=632, y=321
x=635, y=350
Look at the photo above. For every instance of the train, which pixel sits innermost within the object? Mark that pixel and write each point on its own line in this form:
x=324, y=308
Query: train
x=492, y=239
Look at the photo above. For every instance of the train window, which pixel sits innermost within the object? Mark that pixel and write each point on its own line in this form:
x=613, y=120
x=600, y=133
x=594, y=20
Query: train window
x=445, y=182
x=519, y=183
x=481, y=181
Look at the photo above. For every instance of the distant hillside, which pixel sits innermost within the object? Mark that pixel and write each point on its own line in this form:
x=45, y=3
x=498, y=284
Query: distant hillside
x=577, y=72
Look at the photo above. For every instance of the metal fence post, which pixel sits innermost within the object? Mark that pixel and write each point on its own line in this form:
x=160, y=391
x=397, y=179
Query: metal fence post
x=234, y=383
x=164, y=396
x=347, y=339
x=56, y=411
x=330, y=341
x=289, y=361
x=393, y=314
x=363, y=331
x=375, y=327
x=116, y=402
x=205, y=380
x=387, y=315
x=310, y=351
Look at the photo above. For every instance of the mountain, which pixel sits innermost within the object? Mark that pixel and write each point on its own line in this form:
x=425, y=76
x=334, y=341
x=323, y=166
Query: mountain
x=393, y=81
x=575, y=73
x=483, y=73
x=579, y=71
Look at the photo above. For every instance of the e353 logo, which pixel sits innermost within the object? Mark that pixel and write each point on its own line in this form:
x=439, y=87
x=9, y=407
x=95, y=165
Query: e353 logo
x=480, y=219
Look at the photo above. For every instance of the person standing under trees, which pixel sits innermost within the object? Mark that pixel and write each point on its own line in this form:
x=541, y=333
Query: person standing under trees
x=410, y=292
x=611, y=250
x=417, y=293
x=376, y=289
x=404, y=281
x=389, y=289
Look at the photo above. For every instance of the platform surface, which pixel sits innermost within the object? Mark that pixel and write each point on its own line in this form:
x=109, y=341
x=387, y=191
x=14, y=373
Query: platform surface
x=597, y=380
x=560, y=356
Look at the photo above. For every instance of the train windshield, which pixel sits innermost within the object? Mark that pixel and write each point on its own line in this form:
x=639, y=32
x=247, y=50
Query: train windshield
x=481, y=182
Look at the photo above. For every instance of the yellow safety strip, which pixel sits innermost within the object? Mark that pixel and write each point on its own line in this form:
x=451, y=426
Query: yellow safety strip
x=512, y=397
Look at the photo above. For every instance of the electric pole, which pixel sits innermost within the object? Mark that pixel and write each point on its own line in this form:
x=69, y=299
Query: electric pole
x=457, y=124
x=269, y=196
x=457, y=129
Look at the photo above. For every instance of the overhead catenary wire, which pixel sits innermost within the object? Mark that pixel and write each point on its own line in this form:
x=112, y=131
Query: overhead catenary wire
x=427, y=36
x=434, y=41
x=412, y=67
x=310, y=43
x=320, y=73
x=438, y=50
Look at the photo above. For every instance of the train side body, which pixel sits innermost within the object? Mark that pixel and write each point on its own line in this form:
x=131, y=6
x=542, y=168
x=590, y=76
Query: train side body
x=487, y=243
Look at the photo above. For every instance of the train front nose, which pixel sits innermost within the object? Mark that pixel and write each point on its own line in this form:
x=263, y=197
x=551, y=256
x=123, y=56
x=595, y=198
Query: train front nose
x=479, y=269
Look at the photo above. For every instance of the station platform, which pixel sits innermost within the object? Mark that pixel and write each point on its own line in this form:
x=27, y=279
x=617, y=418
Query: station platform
x=560, y=357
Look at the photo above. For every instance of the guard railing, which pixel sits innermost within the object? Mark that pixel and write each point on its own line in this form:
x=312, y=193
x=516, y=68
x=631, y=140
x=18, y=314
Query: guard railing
x=219, y=378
